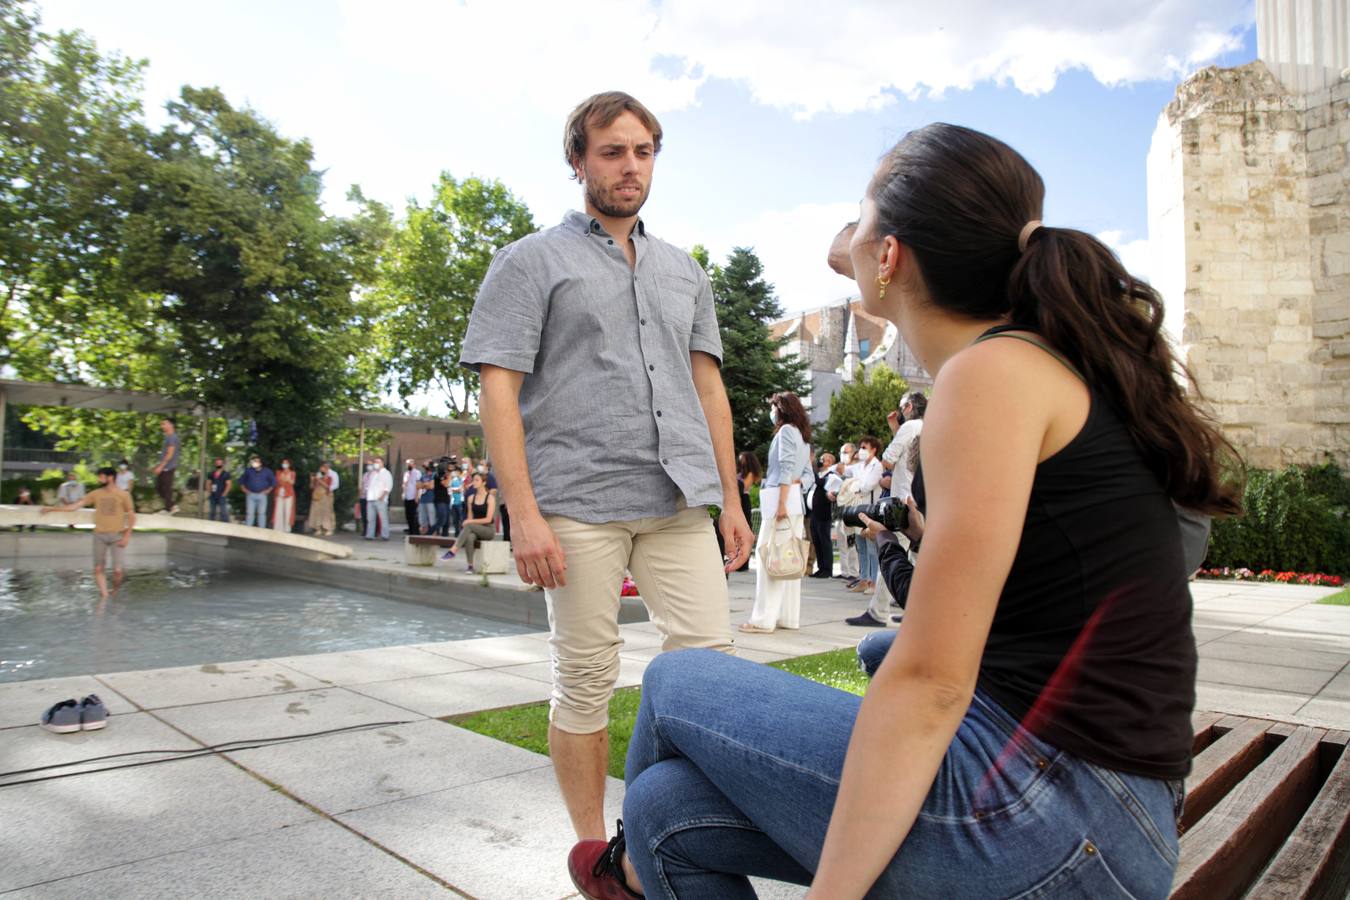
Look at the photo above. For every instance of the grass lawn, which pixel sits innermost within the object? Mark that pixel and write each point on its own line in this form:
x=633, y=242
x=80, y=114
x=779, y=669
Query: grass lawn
x=527, y=726
x=1340, y=598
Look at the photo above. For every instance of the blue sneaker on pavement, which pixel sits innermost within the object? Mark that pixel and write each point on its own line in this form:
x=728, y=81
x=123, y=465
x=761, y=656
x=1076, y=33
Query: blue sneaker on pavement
x=93, y=714
x=63, y=717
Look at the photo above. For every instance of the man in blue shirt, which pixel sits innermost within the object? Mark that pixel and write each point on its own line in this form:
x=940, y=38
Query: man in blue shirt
x=220, y=481
x=257, y=481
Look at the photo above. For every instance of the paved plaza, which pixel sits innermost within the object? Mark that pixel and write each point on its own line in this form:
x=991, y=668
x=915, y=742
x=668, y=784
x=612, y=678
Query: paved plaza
x=417, y=807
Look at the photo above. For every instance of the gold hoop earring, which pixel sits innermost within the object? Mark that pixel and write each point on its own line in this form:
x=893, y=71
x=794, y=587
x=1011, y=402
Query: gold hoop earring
x=881, y=284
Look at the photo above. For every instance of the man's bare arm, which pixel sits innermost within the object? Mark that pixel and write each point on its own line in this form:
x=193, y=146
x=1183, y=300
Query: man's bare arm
x=539, y=556
x=712, y=396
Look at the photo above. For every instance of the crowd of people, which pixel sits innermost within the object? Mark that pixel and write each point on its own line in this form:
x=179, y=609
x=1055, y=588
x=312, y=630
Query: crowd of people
x=803, y=495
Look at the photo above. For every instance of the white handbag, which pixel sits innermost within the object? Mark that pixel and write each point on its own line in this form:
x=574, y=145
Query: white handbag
x=783, y=555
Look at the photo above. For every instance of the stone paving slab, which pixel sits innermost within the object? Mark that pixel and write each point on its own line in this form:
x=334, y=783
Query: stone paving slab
x=1338, y=688
x=498, y=651
x=26, y=748
x=281, y=716
x=344, y=772
x=24, y=702
x=459, y=692
x=500, y=840
x=316, y=859
x=1248, y=701
x=1299, y=657
x=208, y=683
x=1327, y=712
x=89, y=822
x=379, y=664
x=1248, y=673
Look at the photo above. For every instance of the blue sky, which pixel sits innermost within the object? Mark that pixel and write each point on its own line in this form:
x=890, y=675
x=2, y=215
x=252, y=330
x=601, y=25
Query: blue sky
x=775, y=113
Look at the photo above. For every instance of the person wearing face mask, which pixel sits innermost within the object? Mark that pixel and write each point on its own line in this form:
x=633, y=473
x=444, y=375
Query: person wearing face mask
x=125, y=477
x=412, y=478
x=321, y=518
x=379, y=486
x=778, y=600
x=847, y=539
x=257, y=482
x=283, y=510
x=220, y=481
x=869, y=489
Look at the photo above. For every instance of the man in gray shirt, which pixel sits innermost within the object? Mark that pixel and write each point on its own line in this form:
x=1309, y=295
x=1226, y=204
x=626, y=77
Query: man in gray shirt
x=168, y=464
x=603, y=405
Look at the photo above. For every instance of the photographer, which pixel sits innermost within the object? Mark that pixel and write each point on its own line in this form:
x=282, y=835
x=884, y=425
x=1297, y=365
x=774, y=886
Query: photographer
x=897, y=568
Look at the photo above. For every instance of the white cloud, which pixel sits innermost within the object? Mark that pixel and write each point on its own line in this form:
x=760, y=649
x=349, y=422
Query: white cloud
x=800, y=55
x=1135, y=255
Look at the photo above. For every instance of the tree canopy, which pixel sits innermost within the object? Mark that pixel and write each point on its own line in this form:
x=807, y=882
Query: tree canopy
x=752, y=368
x=860, y=408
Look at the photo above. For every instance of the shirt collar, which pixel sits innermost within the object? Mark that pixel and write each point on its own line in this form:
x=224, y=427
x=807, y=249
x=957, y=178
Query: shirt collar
x=582, y=223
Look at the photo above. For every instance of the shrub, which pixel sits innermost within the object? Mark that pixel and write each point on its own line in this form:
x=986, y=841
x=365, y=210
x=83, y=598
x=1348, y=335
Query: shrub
x=1296, y=520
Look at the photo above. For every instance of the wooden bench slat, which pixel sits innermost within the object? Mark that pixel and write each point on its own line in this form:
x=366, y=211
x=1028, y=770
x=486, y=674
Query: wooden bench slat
x=1202, y=724
x=1315, y=861
x=1230, y=845
x=1221, y=765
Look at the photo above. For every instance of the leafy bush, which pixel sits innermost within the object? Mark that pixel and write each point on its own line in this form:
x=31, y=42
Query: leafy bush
x=1296, y=520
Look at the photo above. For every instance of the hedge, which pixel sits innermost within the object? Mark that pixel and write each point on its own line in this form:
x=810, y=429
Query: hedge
x=1296, y=520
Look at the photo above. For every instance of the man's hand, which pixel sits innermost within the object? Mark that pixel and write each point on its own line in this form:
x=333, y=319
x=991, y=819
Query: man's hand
x=914, y=530
x=539, y=557
x=126, y=539
x=872, y=529
x=736, y=534
x=838, y=258
x=893, y=420
x=157, y=469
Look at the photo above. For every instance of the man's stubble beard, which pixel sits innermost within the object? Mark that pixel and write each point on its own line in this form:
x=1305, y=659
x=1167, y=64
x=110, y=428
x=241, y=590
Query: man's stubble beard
x=608, y=208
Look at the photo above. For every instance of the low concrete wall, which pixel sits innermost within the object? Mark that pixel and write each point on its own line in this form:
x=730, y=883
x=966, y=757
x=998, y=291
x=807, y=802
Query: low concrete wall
x=68, y=549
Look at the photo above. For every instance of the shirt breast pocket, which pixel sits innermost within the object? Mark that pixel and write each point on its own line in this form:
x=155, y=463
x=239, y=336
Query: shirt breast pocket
x=677, y=296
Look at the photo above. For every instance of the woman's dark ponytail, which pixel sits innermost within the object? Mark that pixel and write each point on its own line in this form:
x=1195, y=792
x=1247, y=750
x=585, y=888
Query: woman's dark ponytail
x=961, y=200
x=1073, y=291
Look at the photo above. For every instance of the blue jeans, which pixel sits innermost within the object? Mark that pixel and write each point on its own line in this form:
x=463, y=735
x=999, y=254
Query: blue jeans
x=457, y=517
x=442, y=526
x=255, y=507
x=220, y=509
x=873, y=649
x=377, y=511
x=733, y=770
x=867, y=559
x=426, y=514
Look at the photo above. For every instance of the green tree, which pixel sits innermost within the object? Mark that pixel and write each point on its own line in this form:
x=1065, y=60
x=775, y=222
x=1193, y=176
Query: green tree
x=69, y=131
x=860, y=408
x=429, y=279
x=752, y=368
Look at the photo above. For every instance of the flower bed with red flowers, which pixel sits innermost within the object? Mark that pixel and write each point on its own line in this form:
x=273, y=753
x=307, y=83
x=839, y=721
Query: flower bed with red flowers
x=1316, y=579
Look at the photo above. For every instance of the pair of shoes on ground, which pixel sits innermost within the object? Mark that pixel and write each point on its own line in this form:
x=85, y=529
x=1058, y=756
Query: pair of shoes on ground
x=865, y=621
x=596, y=868
x=70, y=715
x=755, y=629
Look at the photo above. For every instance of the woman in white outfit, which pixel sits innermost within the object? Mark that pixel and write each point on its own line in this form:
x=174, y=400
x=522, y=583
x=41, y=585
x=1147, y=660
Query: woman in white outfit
x=778, y=601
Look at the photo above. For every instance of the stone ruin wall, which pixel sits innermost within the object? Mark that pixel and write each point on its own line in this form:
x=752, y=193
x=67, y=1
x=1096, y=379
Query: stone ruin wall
x=1249, y=195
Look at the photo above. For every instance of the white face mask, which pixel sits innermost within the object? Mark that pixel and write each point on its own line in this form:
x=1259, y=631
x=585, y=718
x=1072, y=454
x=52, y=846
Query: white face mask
x=482, y=470
x=255, y=464
x=773, y=414
x=285, y=465
x=864, y=455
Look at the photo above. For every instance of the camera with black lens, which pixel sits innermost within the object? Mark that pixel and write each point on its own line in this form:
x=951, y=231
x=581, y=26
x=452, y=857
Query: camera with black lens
x=890, y=512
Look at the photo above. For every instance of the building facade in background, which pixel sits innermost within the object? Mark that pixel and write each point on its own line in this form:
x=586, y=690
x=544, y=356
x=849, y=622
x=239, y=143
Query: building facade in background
x=836, y=339
x=1249, y=230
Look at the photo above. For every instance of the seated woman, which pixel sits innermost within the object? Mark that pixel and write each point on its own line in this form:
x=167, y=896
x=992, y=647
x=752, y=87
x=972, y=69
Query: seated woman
x=478, y=526
x=1029, y=730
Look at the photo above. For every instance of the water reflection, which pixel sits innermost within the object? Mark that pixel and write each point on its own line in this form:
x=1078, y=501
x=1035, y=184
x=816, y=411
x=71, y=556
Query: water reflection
x=52, y=622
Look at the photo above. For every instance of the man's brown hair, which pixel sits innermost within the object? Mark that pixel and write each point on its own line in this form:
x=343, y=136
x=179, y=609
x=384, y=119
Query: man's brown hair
x=599, y=111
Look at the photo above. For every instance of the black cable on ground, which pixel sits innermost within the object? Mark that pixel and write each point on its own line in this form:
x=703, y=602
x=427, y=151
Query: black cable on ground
x=189, y=753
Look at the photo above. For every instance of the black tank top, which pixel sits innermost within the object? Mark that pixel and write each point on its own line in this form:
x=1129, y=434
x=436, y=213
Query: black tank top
x=478, y=510
x=1091, y=645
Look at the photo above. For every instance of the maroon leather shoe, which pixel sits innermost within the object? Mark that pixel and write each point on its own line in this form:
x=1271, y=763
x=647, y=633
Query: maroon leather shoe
x=596, y=868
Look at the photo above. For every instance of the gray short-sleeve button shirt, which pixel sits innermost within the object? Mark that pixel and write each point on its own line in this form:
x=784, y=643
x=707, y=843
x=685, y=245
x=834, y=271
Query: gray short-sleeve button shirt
x=614, y=430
